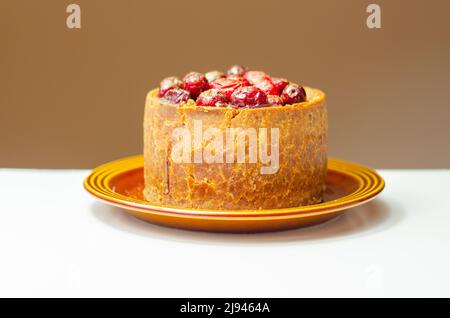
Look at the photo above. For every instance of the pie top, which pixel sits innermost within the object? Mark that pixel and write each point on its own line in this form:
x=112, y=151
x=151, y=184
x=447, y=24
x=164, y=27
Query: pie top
x=237, y=88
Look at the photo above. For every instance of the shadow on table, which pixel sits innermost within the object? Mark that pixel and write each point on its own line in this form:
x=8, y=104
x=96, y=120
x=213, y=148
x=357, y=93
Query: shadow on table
x=372, y=217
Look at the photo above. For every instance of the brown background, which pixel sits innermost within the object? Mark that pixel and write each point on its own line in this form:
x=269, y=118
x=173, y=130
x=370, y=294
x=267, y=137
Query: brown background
x=74, y=98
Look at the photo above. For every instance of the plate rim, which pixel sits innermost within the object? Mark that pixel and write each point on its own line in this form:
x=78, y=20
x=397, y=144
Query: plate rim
x=366, y=192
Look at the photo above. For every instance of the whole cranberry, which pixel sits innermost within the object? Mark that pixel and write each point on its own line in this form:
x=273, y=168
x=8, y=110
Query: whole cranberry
x=256, y=76
x=275, y=100
x=248, y=96
x=195, y=83
x=212, y=97
x=237, y=70
x=213, y=75
x=279, y=83
x=176, y=95
x=293, y=93
x=229, y=85
x=240, y=79
x=267, y=87
x=169, y=83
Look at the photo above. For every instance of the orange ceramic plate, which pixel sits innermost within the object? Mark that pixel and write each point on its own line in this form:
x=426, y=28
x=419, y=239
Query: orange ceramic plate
x=120, y=183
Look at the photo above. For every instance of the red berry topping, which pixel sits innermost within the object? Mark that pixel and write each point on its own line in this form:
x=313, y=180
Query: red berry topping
x=248, y=96
x=212, y=97
x=239, y=87
x=293, y=93
x=280, y=83
x=176, y=95
x=195, y=83
x=213, y=75
x=274, y=100
x=267, y=87
x=229, y=85
x=237, y=70
x=169, y=83
x=238, y=78
x=256, y=76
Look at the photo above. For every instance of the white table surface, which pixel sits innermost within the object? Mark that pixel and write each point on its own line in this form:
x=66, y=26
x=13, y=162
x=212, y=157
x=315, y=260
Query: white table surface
x=57, y=240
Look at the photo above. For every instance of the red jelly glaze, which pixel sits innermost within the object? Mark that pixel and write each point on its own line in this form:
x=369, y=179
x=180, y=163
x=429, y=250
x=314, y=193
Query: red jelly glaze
x=249, y=96
x=256, y=76
x=169, y=83
x=280, y=83
x=229, y=85
x=213, y=75
x=176, y=95
x=239, y=78
x=293, y=93
x=195, y=83
x=267, y=87
x=212, y=97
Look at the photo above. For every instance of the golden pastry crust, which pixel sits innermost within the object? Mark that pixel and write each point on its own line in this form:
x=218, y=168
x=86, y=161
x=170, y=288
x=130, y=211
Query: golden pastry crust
x=302, y=156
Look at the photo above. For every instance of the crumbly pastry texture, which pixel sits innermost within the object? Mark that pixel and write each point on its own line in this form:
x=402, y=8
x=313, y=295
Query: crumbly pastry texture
x=237, y=186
